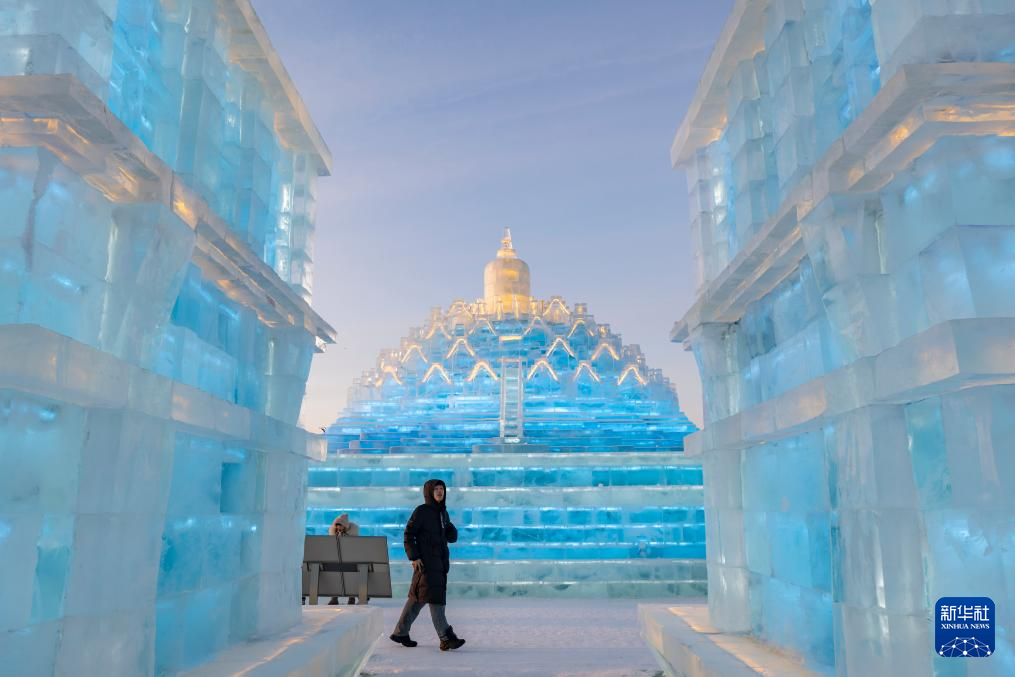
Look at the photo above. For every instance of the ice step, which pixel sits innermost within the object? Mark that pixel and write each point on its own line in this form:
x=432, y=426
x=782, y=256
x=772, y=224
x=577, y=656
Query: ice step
x=514, y=459
x=601, y=570
x=482, y=497
x=650, y=515
x=589, y=550
x=598, y=589
x=534, y=535
x=643, y=578
x=508, y=476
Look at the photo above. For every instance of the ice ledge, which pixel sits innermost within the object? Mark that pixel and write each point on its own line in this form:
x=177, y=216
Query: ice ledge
x=685, y=644
x=58, y=113
x=511, y=460
x=329, y=642
x=919, y=105
x=741, y=38
x=487, y=497
x=947, y=357
x=54, y=366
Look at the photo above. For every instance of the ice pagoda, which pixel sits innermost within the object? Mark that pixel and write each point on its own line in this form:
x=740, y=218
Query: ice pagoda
x=561, y=446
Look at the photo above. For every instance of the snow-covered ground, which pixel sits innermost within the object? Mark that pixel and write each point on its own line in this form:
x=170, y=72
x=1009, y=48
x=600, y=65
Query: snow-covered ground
x=519, y=636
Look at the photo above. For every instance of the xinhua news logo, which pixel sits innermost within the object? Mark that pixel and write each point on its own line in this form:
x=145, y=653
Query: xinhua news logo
x=964, y=627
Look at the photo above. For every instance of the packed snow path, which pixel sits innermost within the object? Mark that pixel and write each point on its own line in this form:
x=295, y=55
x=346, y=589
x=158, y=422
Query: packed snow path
x=518, y=636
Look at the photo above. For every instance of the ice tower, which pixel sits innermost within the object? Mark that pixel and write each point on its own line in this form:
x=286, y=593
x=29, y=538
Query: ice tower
x=851, y=168
x=157, y=177
x=560, y=445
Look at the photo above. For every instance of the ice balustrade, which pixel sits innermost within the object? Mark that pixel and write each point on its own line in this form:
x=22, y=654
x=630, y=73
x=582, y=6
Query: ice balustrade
x=154, y=278
x=852, y=350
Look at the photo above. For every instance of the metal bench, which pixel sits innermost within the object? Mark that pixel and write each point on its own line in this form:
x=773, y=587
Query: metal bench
x=346, y=566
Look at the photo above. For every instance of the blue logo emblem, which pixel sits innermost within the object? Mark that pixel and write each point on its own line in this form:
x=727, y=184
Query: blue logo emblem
x=964, y=627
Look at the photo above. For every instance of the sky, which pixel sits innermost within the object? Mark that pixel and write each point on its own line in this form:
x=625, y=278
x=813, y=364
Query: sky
x=451, y=120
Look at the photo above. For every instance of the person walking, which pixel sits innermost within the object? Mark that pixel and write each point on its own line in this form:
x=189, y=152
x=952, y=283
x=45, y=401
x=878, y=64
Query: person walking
x=427, y=535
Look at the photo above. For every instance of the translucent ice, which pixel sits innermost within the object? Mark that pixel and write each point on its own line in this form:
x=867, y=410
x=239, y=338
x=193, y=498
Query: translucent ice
x=851, y=341
x=155, y=268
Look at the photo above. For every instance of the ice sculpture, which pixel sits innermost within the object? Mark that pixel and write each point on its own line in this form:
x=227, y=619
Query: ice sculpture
x=851, y=168
x=157, y=174
x=560, y=445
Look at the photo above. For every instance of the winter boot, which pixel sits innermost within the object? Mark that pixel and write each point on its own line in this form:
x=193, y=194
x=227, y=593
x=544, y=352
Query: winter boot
x=451, y=641
x=403, y=640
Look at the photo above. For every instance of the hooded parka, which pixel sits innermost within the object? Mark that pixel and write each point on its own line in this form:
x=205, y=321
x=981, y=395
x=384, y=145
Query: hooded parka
x=426, y=538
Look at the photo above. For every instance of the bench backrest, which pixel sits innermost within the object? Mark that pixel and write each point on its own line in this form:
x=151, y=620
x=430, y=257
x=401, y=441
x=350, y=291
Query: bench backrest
x=339, y=557
x=346, y=549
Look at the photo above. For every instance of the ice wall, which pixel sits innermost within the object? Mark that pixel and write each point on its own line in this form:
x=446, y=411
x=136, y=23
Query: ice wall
x=157, y=174
x=851, y=168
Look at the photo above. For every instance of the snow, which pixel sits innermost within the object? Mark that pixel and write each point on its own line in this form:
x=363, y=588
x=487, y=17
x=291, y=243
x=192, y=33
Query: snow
x=522, y=636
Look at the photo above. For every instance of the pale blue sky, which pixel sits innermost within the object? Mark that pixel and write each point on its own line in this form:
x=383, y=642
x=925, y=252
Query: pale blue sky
x=450, y=120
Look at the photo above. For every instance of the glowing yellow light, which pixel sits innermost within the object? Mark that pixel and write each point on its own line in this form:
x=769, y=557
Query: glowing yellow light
x=561, y=343
x=481, y=323
x=534, y=322
x=388, y=370
x=460, y=343
x=900, y=134
x=631, y=370
x=560, y=307
x=183, y=209
x=436, y=368
x=414, y=348
x=481, y=366
x=584, y=366
x=605, y=347
x=434, y=328
x=510, y=337
x=582, y=323
x=541, y=363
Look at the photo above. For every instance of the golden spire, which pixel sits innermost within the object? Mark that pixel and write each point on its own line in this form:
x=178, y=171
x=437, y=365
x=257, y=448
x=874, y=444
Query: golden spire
x=506, y=280
x=507, y=248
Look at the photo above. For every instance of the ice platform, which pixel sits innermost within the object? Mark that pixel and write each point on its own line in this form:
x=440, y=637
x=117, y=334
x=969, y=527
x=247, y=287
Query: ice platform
x=686, y=645
x=328, y=642
x=595, y=524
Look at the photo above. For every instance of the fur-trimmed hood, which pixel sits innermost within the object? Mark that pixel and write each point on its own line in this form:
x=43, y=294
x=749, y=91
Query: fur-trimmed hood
x=428, y=489
x=351, y=528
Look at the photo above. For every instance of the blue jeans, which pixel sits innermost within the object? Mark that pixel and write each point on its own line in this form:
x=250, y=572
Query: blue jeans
x=412, y=609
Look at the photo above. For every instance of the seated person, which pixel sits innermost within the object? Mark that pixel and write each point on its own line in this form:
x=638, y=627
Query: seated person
x=343, y=527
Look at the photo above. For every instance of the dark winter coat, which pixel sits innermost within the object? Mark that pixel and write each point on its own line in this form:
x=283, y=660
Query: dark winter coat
x=426, y=538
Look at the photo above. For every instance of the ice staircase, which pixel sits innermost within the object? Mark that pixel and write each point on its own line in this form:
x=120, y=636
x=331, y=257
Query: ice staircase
x=512, y=403
x=618, y=524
